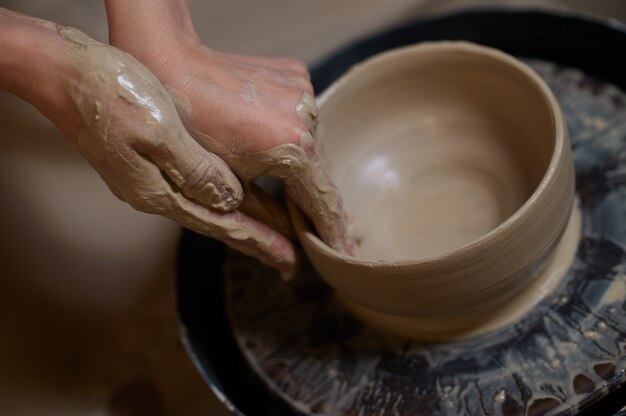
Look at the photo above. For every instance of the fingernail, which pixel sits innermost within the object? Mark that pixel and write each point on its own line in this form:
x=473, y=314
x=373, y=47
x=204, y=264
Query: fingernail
x=227, y=198
x=226, y=202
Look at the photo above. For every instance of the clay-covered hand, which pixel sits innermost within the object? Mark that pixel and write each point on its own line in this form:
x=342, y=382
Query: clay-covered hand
x=257, y=113
x=130, y=131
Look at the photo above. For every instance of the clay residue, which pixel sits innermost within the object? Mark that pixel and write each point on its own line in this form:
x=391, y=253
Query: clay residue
x=131, y=132
x=307, y=111
x=306, y=178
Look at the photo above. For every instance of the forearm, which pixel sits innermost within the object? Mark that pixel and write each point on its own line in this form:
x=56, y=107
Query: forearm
x=35, y=66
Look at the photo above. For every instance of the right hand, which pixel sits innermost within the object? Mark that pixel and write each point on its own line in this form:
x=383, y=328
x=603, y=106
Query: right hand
x=256, y=113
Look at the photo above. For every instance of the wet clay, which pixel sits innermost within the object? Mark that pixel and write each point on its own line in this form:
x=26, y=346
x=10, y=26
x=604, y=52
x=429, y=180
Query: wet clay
x=566, y=354
x=131, y=132
x=455, y=161
x=306, y=178
x=111, y=83
x=429, y=159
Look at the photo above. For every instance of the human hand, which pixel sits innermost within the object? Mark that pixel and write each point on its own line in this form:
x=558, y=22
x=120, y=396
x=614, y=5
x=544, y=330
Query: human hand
x=124, y=122
x=130, y=131
x=258, y=114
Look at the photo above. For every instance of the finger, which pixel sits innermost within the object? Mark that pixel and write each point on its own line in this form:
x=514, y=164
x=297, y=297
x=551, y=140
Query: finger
x=238, y=231
x=276, y=63
x=298, y=82
x=291, y=65
x=147, y=190
x=309, y=185
x=312, y=189
x=199, y=174
x=307, y=180
x=261, y=206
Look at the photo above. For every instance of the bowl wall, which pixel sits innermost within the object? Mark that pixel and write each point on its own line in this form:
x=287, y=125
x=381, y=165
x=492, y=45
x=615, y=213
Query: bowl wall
x=480, y=137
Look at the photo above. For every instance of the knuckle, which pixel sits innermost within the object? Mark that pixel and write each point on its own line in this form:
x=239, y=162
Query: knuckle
x=204, y=174
x=290, y=133
x=308, y=87
x=150, y=202
x=282, y=132
x=222, y=189
x=296, y=65
x=140, y=204
x=291, y=160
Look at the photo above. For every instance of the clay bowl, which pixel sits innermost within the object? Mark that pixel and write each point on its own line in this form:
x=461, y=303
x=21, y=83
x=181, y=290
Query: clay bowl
x=454, y=163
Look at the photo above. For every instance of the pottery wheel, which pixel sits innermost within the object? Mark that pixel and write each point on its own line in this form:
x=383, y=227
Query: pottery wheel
x=566, y=353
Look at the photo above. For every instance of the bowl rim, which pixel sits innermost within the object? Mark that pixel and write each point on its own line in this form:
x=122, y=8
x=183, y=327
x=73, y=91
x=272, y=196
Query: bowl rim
x=304, y=229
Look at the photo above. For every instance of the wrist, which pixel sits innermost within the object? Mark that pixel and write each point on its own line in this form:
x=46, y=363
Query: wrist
x=19, y=39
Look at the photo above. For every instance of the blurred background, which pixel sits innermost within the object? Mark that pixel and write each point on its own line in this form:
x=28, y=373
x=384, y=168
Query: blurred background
x=87, y=315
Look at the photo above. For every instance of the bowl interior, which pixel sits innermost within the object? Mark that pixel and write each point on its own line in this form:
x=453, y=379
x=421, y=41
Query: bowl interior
x=433, y=146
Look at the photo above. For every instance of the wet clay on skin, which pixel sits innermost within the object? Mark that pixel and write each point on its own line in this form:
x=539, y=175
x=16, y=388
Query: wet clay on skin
x=131, y=133
x=307, y=182
x=306, y=178
x=454, y=161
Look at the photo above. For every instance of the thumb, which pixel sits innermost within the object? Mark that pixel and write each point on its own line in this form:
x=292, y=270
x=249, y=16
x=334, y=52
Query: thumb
x=197, y=173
